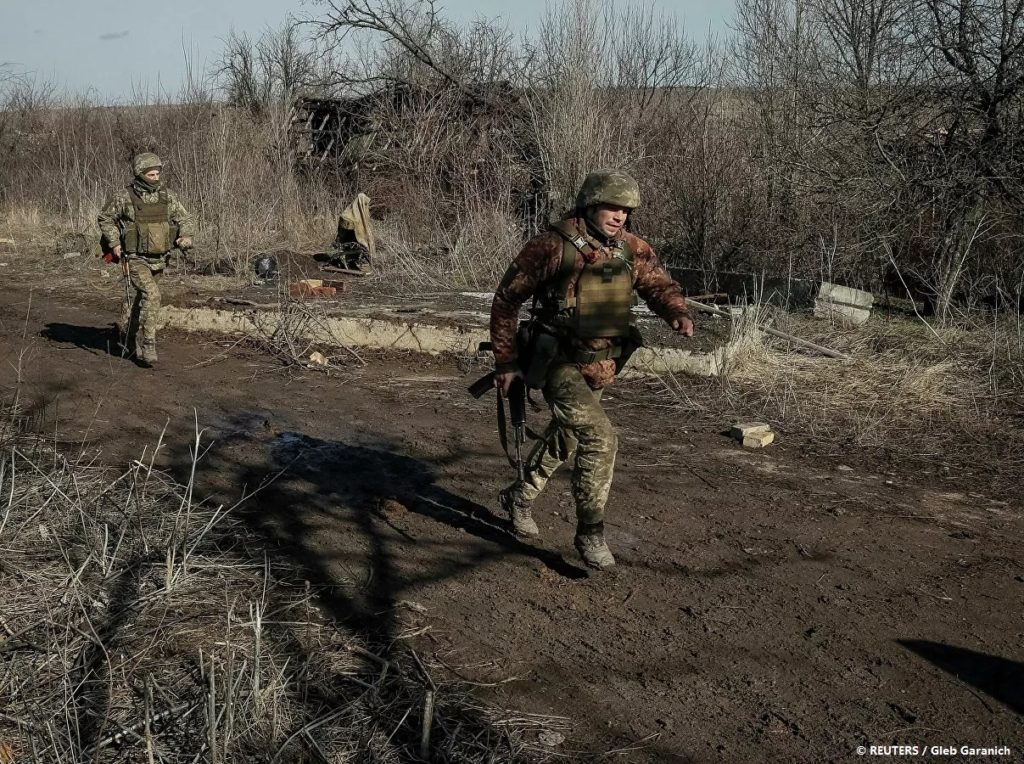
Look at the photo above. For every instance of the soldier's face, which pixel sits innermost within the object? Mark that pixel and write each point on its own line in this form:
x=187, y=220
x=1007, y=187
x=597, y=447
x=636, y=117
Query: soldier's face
x=609, y=218
x=152, y=175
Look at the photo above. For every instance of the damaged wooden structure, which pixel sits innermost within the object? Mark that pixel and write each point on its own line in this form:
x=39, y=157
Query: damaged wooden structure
x=342, y=130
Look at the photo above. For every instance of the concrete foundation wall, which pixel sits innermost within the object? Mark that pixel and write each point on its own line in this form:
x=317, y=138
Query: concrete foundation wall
x=362, y=332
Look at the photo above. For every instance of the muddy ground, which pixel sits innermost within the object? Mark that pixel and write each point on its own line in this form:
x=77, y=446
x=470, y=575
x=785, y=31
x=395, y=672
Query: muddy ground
x=788, y=604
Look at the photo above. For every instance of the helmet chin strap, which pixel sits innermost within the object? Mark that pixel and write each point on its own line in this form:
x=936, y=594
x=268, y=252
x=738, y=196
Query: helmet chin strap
x=593, y=227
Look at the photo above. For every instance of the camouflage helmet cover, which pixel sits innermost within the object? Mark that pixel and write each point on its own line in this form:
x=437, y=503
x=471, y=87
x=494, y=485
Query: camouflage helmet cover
x=144, y=162
x=608, y=187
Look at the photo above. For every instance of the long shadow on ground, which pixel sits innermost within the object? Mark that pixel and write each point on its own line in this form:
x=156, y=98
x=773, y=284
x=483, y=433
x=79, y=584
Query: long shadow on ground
x=341, y=514
x=1000, y=678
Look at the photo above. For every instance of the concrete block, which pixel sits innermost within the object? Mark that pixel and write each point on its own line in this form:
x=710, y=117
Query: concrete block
x=842, y=304
x=741, y=430
x=759, y=440
x=843, y=295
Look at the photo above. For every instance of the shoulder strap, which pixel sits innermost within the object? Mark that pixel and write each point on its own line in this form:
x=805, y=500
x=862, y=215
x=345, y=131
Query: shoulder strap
x=576, y=242
x=136, y=200
x=572, y=242
x=627, y=252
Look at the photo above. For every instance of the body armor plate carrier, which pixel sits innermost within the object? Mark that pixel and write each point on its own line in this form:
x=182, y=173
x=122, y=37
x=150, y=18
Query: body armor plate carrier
x=596, y=302
x=150, y=234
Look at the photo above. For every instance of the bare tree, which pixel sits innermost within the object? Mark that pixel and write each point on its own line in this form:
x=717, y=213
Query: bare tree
x=271, y=70
x=896, y=122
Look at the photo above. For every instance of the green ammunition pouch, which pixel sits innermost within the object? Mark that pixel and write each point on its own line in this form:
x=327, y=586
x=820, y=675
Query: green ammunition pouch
x=151, y=234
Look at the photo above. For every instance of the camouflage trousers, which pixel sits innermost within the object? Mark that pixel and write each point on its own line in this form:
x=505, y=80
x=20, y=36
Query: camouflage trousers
x=140, y=308
x=578, y=424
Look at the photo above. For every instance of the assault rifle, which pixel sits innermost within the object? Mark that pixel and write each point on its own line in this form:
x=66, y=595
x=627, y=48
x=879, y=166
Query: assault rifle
x=517, y=415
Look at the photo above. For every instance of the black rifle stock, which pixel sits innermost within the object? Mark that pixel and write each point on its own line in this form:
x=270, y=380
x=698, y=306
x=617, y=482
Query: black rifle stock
x=479, y=388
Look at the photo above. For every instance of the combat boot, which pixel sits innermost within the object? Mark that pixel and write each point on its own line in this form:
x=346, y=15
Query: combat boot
x=145, y=351
x=590, y=543
x=519, y=512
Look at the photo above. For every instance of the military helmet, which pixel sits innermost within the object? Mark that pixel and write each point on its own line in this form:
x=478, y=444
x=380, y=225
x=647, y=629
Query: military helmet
x=144, y=162
x=608, y=187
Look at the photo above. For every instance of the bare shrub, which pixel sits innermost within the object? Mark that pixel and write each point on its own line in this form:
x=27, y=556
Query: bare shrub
x=889, y=125
x=824, y=137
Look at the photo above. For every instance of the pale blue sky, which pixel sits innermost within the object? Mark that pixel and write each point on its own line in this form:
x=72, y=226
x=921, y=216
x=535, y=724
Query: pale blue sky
x=110, y=46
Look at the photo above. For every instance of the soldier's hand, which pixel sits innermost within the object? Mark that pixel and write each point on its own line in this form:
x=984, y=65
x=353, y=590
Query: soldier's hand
x=683, y=325
x=184, y=242
x=116, y=252
x=503, y=380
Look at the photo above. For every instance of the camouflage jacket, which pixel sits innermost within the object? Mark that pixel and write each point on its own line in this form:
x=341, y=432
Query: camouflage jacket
x=119, y=209
x=538, y=263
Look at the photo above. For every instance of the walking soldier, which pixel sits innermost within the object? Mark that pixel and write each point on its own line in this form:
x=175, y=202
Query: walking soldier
x=581, y=275
x=139, y=225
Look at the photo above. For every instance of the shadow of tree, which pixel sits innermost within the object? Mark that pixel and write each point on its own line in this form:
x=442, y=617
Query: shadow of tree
x=331, y=505
x=338, y=513
x=1000, y=678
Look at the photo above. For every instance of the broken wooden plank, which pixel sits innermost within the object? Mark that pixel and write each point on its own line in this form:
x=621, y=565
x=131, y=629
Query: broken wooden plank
x=336, y=269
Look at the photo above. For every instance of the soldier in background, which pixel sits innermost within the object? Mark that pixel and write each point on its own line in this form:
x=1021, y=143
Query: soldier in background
x=139, y=226
x=581, y=275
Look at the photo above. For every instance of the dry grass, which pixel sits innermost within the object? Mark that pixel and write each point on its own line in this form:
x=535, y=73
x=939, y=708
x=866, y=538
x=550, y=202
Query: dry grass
x=18, y=219
x=906, y=383
x=473, y=253
x=141, y=625
x=918, y=395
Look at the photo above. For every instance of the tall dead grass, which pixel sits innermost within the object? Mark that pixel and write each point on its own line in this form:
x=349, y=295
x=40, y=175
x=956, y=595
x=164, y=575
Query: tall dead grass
x=140, y=624
x=469, y=138
x=920, y=389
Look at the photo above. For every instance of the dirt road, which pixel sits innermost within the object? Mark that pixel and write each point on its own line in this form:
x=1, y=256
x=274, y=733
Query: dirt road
x=768, y=606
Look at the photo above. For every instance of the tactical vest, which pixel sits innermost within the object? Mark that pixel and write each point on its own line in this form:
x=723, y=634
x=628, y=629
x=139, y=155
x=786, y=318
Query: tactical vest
x=595, y=303
x=150, y=234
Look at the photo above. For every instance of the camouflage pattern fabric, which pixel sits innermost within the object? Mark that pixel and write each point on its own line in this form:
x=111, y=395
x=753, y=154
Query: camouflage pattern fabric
x=147, y=160
x=140, y=308
x=537, y=265
x=578, y=424
x=119, y=207
x=608, y=187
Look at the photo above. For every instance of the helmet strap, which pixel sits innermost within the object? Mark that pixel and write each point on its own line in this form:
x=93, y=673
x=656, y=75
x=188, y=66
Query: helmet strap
x=592, y=228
